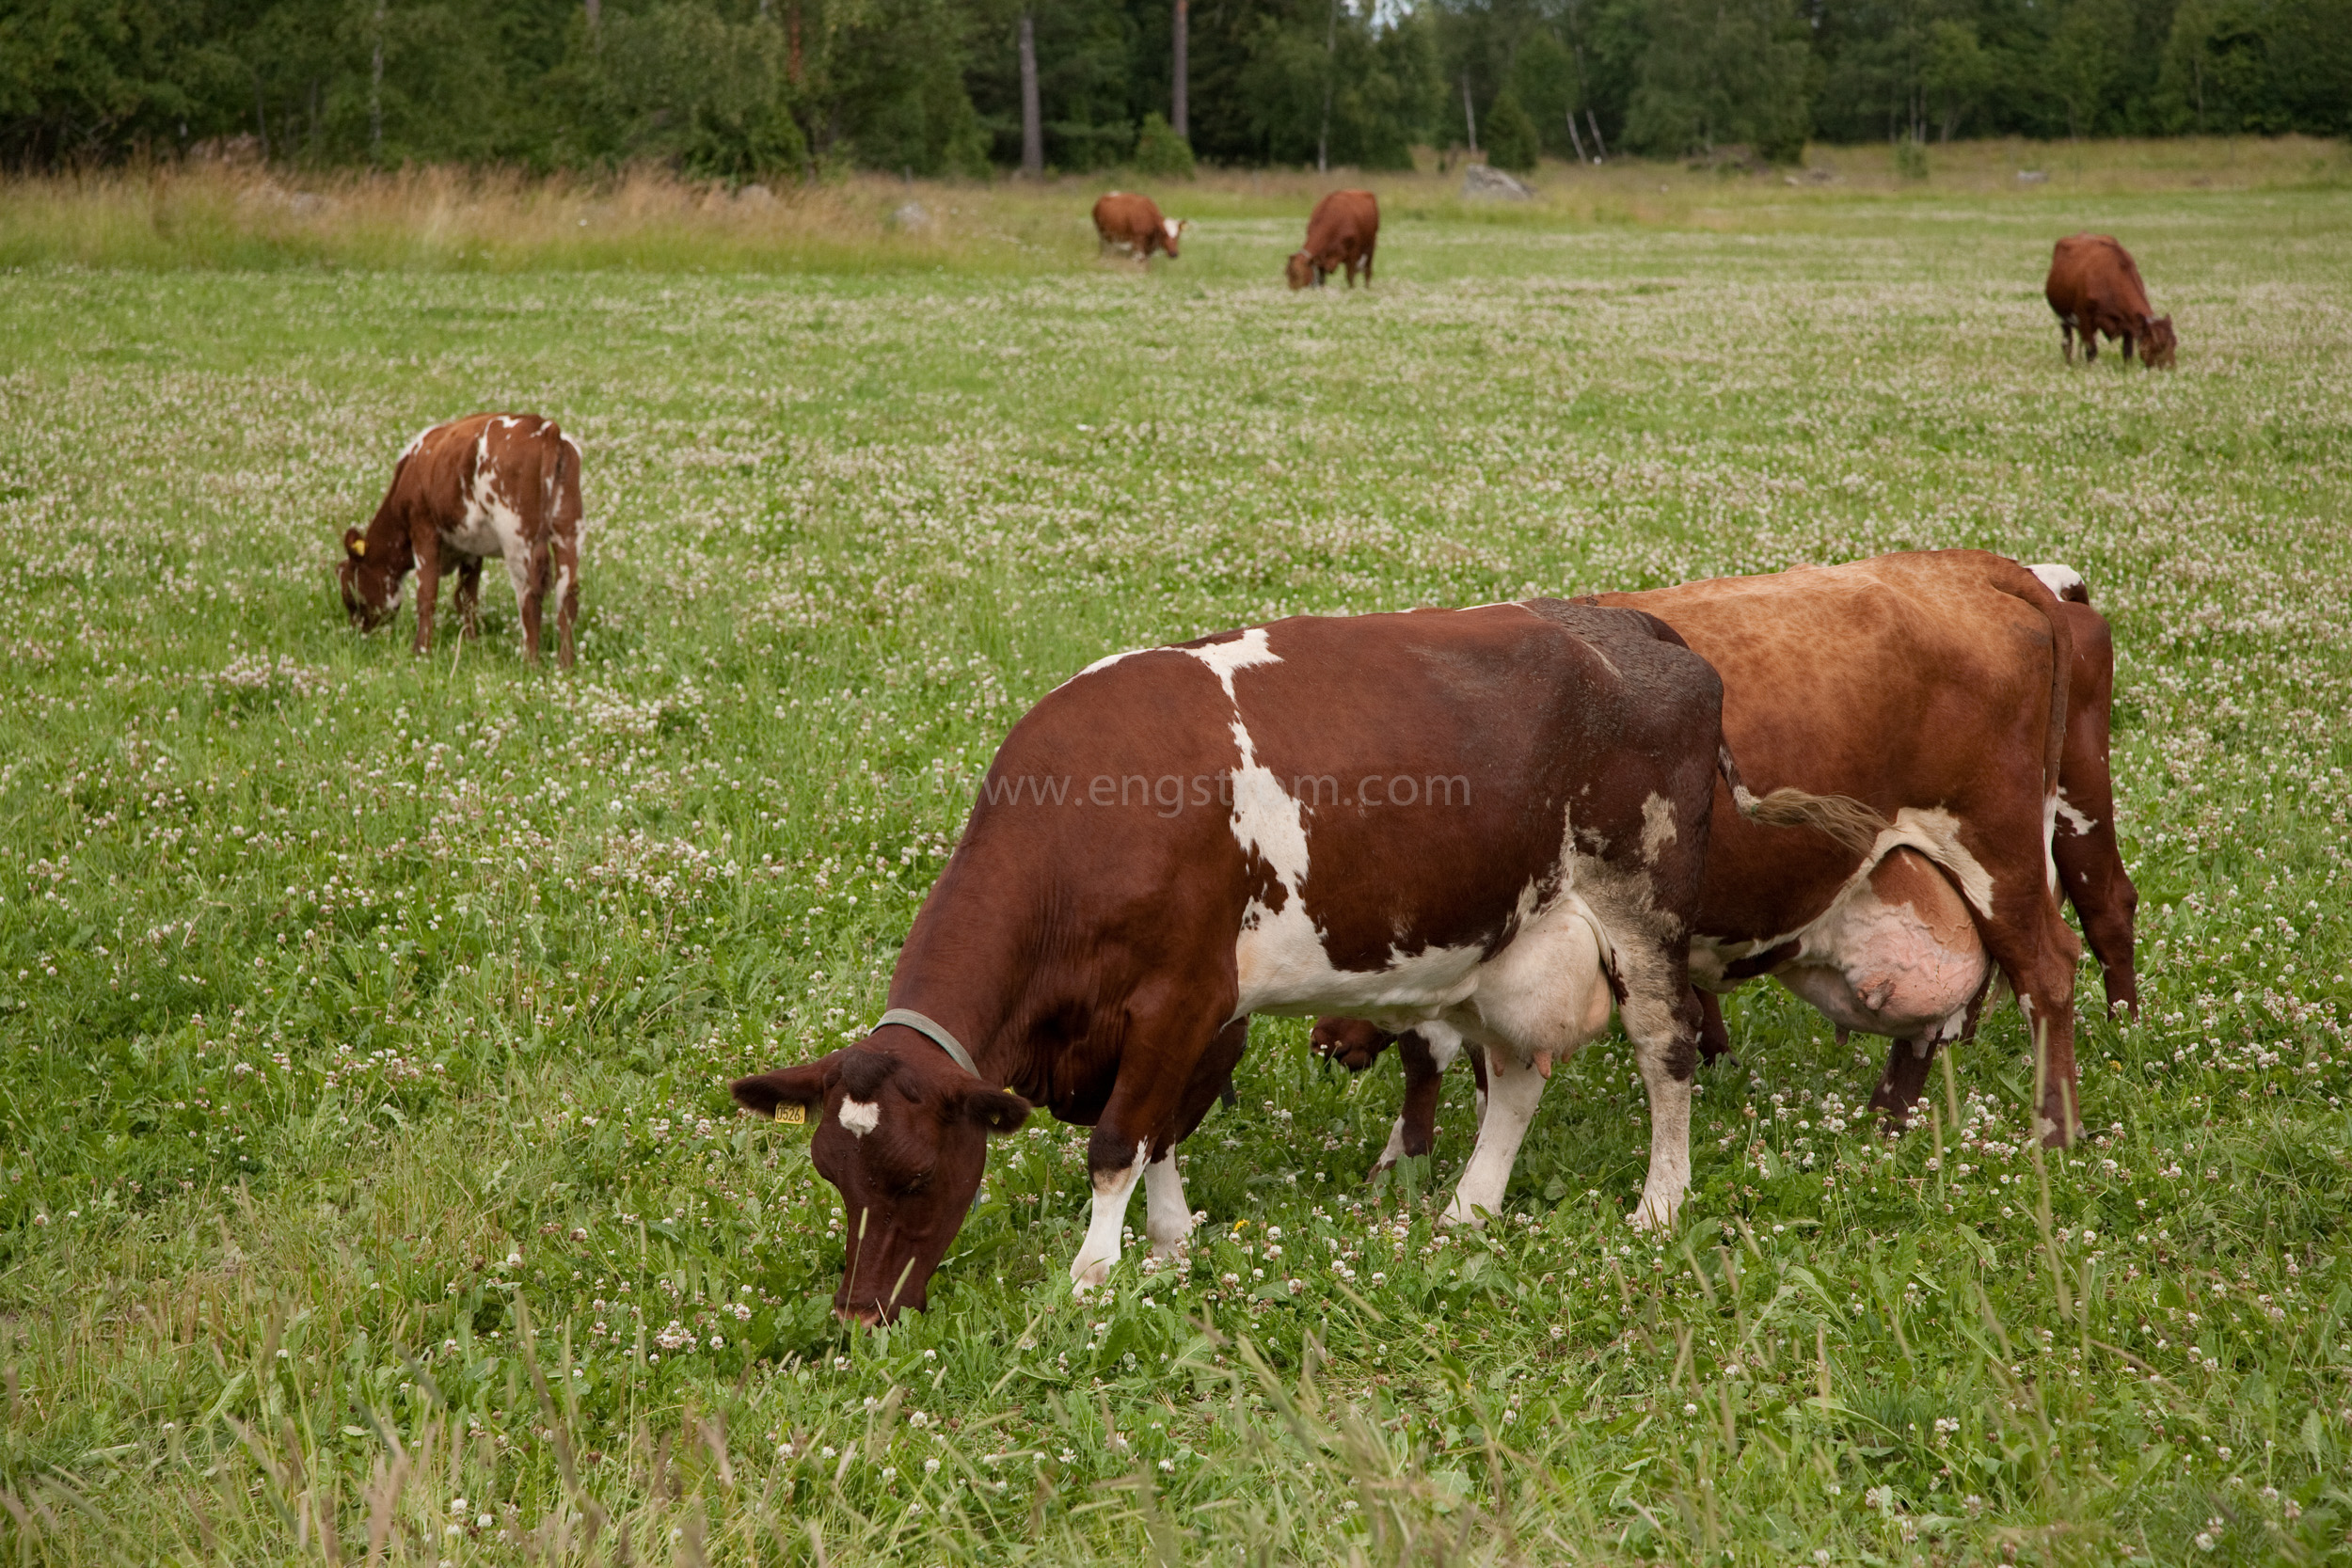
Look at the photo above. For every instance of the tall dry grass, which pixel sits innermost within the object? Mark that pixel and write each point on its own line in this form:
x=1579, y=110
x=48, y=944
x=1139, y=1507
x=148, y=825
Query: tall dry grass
x=220, y=217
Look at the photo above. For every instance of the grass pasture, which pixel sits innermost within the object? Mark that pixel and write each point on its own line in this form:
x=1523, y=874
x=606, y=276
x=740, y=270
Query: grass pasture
x=369, y=1191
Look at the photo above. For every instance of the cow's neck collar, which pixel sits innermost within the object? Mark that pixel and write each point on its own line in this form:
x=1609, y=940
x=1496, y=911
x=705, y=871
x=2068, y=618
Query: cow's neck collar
x=935, y=1032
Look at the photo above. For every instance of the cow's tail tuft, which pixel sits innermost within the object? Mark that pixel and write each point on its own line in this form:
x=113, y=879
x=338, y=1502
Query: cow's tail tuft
x=1842, y=818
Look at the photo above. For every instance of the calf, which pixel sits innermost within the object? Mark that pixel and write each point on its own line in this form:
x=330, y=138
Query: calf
x=489, y=484
x=1342, y=232
x=1938, y=688
x=2094, y=287
x=1492, y=818
x=1133, y=224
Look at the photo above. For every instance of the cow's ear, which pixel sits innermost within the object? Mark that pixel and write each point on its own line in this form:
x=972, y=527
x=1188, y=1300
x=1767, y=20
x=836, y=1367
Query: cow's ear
x=354, y=546
x=801, y=1088
x=997, y=1110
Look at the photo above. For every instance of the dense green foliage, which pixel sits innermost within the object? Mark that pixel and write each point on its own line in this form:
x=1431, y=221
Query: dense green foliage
x=775, y=89
x=365, y=1162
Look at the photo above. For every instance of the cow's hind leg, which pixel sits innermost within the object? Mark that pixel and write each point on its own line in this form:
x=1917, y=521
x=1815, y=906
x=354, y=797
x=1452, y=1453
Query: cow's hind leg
x=1667, y=1050
x=2037, y=951
x=1904, y=1080
x=528, y=573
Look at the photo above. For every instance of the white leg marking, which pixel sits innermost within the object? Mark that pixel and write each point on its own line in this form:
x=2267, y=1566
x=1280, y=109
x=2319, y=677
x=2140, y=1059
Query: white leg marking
x=1669, y=1144
x=1100, y=1250
x=1395, y=1152
x=1513, y=1090
x=1166, y=1217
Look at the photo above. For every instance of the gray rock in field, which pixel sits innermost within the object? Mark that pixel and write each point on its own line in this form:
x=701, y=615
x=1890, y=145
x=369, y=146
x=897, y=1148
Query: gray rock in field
x=755, y=196
x=2030, y=176
x=1483, y=180
x=911, y=215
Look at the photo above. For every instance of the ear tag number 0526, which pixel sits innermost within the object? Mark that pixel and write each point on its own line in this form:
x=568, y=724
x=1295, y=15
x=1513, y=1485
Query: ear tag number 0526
x=792, y=1115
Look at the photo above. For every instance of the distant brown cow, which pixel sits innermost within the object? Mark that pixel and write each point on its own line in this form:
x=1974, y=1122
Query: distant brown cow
x=1342, y=232
x=503, y=484
x=2094, y=287
x=1134, y=224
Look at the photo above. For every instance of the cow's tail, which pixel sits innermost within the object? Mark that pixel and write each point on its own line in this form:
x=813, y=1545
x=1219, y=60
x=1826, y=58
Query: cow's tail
x=1841, y=817
x=2045, y=603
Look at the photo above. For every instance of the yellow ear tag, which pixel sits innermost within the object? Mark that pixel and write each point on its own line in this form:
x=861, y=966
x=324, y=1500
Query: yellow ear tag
x=794, y=1114
x=359, y=547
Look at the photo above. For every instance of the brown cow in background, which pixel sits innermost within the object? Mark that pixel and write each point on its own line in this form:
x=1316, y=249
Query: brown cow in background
x=1341, y=234
x=1134, y=224
x=2094, y=287
x=503, y=484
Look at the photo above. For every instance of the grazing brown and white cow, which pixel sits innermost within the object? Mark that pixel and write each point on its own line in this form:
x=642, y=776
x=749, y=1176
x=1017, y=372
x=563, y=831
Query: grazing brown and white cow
x=1494, y=817
x=1134, y=224
x=489, y=484
x=2094, y=287
x=1342, y=232
x=1926, y=686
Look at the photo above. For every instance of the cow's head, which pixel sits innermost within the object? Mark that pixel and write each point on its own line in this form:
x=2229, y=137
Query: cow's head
x=371, y=587
x=1299, y=269
x=2156, y=343
x=903, y=1133
x=1171, y=231
x=1355, y=1043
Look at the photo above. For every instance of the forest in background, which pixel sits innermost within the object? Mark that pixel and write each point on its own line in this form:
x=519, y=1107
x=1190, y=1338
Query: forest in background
x=767, y=89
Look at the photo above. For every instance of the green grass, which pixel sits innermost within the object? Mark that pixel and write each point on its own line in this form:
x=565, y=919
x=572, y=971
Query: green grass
x=364, y=1020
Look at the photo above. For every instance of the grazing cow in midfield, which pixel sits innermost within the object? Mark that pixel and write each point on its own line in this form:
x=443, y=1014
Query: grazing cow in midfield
x=489, y=484
x=2094, y=287
x=1342, y=232
x=1496, y=816
x=1940, y=689
x=1130, y=223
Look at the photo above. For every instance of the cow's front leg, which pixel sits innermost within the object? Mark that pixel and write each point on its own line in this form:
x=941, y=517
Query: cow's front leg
x=1166, y=1217
x=428, y=553
x=1114, y=1183
x=466, y=601
x=1515, y=1088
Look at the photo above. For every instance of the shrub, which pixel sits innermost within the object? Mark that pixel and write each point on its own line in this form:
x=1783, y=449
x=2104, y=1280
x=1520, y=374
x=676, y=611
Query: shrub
x=1511, y=141
x=1160, y=152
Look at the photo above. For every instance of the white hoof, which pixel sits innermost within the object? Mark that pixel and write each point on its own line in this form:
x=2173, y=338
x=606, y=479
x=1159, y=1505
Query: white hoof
x=1085, y=1273
x=1459, y=1213
x=1652, y=1214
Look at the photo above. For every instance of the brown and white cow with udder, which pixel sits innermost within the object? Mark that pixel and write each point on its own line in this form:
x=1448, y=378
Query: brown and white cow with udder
x=1497, y=817
x=2094, y=287
x=1342, y=232
x=1133, y=224
x=489, y=484
x=1940, y=689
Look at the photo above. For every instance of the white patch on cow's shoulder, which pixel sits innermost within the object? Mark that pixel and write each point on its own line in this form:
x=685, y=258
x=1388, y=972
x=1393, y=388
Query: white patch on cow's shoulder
x=418, y=439
x=1245, y=652
x=1658, y=827
x=2056, y=579
x=2077, y=823
x=860, y=1117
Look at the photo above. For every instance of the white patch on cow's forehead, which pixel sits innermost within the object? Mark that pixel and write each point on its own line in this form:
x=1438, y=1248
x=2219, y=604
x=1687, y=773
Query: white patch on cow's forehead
x=1658, y=827
x=1168, y=224
x=860, y=1117
x=2057, y=578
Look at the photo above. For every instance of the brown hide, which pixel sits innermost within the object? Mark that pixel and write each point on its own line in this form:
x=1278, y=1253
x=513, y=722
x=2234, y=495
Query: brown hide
x=1113, y=913
x=2095, y=290
x=1342, y=232
x=1926, y=681
x=489, y=484
x=1135, y=224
